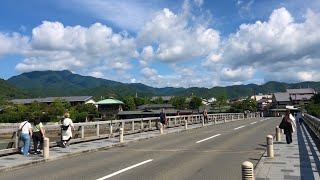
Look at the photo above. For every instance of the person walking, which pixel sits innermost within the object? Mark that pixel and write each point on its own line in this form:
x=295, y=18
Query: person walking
x=26, y=133
x=289, y=127
x=66, y=130
x=37, y=135
x=205, y=115
x=163, y=118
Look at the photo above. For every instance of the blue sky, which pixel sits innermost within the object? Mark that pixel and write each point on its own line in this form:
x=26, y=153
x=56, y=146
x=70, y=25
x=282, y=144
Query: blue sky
x=161, y=43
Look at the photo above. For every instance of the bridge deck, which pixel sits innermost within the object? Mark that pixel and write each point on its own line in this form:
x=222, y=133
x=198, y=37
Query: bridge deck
x=298, y=160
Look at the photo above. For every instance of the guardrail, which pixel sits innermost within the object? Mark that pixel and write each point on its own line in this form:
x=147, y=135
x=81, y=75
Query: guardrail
x=105, y=129
x=313, y=123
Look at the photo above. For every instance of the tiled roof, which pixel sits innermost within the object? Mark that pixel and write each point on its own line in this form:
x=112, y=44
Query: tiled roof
x=149, y=106
x=280, y=97
x=109, y=101
x=301, y=91
x=51, y=99
x=301, y=97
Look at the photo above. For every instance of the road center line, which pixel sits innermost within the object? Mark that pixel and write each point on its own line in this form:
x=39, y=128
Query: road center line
x=125, y=169
x=238, y=127
x=208, y=138
x=253, y=122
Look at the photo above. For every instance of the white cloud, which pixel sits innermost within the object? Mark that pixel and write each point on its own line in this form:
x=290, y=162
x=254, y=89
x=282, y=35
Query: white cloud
x=176, y=39
x=56, y=47
x=239, y=74
x=148, y=72
x=146, y=55
x=12, y=43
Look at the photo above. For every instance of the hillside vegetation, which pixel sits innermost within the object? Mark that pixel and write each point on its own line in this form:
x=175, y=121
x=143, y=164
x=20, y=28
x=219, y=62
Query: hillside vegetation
x=65, y=83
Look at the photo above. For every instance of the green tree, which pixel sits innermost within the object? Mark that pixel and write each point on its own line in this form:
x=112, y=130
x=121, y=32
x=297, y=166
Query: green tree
x=159, y=101
x=129, y=104
x=195, y=102
x=221, y=101
x=141, y=101
x=179, y=102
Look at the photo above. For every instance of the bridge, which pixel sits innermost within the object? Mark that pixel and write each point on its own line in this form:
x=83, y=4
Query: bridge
x=187, y=149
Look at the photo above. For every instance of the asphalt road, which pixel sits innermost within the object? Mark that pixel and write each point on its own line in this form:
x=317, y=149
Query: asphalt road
x=212, y=152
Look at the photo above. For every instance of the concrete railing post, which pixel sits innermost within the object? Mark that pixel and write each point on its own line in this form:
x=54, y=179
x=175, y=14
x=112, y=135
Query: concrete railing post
x=46, y=148
x=215, y=120
x=278, y=135
x=203, y=121
x=121, y=135
x=98, y=130
x=225, y=118
x=82, y=131
x=247, y=171
x=270, y=146
x=132, y=126
x=141, y=125
x=161, y=128
x=150, y=124
x=185, y=124
x=111, y=130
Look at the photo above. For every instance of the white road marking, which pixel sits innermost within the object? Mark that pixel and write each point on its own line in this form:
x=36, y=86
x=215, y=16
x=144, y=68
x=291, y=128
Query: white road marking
x=125, y=169
x=262, y=120
x=253, y=122
x=238, y=127
x=208, y=138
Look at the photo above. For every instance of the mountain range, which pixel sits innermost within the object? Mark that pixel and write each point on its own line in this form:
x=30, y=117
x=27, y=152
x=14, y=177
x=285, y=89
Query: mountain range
x=65, y=83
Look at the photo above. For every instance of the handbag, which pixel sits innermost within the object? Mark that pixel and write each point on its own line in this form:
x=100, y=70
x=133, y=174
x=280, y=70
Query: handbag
x=63, y=127
x=283, y=124
x=20, y=130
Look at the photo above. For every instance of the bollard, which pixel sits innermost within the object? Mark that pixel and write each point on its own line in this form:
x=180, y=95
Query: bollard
x=278, y=135
x=161, y=128
x=185, y=124
x=247, y=171
x=121, y=135
x=203, y=122
x=270, y=146
x=46, y=148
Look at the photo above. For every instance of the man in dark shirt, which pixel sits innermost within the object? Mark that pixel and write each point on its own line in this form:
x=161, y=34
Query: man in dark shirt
x=163, y=118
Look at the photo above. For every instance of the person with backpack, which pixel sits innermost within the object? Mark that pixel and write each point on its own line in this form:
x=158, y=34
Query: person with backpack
x=289, y=126
x=37, y=135
x=66, y=130
x=25, y=134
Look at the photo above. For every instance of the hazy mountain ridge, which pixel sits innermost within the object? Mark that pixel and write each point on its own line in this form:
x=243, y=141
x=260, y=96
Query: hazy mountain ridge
x=65, y=83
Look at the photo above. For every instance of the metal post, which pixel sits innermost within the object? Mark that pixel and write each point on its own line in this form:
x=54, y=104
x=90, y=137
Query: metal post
x=270, y=146
x=185, y=124
x=278, y=135
x=46, y=148
x=121, y=135
x=247, y=171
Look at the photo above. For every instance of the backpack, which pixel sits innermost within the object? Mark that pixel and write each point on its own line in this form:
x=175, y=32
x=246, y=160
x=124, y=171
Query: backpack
x=64, y=128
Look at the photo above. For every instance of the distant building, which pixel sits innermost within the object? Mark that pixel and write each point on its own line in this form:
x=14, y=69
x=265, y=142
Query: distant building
x=292, y=99
x=156, y=106
x=109, y=107
x=151, y=113
x=74, y=100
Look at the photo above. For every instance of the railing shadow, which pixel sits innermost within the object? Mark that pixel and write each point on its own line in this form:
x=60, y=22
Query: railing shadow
x=306, y=171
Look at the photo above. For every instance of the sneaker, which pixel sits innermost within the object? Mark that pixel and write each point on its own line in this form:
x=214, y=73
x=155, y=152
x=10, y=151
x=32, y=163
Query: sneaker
x=63, y=145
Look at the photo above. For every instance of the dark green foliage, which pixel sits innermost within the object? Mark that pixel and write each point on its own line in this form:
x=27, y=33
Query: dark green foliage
x=8, y=91
x=195, y=102
x=129, y=104
x=247, y=104
x=179, y=102
x=314, y=107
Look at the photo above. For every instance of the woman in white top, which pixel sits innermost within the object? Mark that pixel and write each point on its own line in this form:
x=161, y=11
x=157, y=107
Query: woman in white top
x=26, y=133
x=67, y=134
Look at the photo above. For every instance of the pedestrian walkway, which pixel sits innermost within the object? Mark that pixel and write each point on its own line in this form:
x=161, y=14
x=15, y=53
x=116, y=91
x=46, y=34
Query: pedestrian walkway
x=298, y=160
x=16, y=160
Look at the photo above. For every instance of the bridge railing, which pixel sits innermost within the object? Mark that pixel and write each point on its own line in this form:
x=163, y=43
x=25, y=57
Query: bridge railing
x=313, y=123
x=87, y=131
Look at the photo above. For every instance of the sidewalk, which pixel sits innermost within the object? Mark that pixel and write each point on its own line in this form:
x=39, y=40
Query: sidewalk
x=17, y=160
x=298, y=160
